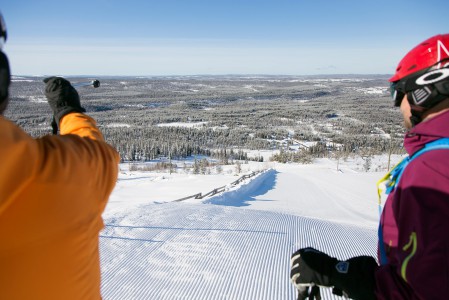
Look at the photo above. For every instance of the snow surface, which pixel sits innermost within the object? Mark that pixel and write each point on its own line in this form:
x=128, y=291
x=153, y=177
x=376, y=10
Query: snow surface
x=235, y=245
x=181, y=124
x=117, y=125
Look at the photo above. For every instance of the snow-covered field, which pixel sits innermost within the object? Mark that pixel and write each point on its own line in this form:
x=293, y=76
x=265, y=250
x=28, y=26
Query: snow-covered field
x=234, y=245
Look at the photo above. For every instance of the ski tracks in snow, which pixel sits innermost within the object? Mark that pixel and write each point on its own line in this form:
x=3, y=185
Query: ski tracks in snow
x=197, y=251
x=229, y=251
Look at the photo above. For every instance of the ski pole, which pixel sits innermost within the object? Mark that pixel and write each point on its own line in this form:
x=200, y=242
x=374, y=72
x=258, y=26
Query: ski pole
x=95, y=83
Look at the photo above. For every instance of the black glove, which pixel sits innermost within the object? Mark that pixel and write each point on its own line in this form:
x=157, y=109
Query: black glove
x=354, y=277
x=312, y=292
x=62, y=97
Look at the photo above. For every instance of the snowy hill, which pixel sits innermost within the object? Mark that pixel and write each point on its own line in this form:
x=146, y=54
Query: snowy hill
x=235, y=245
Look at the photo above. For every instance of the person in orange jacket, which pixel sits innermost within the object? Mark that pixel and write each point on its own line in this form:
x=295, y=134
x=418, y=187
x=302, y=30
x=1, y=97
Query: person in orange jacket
x=53, y=191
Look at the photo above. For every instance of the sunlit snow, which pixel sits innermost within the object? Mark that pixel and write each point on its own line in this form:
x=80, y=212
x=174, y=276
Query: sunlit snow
x=237, y=244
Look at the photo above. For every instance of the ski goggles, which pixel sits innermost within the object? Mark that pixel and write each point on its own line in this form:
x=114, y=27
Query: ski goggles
x=417, y=90
x=419, y=94
x=420, y=84
x=397, y=92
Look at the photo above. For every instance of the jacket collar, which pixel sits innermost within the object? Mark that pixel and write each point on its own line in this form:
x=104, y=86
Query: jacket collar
x=426, y=132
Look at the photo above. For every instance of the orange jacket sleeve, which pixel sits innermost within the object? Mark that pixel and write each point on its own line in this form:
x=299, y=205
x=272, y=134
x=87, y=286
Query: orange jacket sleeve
x=53, y=191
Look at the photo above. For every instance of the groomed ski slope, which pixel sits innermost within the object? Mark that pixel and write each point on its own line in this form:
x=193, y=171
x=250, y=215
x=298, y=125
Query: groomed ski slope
x=236, y=245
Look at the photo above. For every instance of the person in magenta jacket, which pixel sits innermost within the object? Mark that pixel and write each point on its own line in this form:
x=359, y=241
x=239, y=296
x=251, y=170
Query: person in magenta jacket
x=413, y=260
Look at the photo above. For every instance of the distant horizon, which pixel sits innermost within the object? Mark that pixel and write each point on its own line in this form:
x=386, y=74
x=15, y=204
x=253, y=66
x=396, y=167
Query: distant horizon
x=184, y=38
x=208, y=75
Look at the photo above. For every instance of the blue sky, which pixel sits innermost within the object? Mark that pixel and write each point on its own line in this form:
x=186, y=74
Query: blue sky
x=188, y=37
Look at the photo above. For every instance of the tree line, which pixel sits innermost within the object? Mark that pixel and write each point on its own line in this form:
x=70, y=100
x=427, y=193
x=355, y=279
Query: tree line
x=237, y=113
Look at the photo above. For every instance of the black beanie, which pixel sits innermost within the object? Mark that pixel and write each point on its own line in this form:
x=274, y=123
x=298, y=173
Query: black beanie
x=5, y=77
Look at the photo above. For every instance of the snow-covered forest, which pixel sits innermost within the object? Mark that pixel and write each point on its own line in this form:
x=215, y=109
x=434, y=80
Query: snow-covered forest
x=220, y=116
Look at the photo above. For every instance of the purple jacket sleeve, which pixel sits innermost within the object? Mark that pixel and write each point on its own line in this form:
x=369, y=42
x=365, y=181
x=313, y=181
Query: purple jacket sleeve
x=415, y=225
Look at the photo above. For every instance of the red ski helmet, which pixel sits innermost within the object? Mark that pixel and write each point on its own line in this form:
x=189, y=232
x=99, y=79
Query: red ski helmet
x=432, y=52
x=423, y=75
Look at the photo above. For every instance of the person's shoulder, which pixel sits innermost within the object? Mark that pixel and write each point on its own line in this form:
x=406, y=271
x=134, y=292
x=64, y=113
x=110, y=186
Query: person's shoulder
x=6, y=124
x=430, y=165
x=10, y=132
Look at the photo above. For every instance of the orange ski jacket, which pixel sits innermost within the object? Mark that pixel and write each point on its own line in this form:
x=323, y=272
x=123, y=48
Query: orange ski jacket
x=53, y=191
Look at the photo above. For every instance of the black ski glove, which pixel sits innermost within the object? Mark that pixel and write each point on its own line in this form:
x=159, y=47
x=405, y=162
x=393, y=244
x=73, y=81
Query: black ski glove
x=62, y=98
x=353, y=278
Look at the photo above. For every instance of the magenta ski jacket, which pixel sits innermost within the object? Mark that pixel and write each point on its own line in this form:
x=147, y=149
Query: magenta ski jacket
x=415, y=222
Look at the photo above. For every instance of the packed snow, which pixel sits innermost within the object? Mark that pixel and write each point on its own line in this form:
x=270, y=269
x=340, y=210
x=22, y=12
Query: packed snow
x=183, y=124
x=372, y=90
x=116, y=125
x=235, y=244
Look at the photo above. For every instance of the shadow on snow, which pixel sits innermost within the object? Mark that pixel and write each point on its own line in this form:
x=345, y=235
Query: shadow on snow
x=247, y=192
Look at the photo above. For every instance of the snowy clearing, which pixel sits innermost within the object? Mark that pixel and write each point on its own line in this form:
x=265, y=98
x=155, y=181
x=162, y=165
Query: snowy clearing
x=181, y=124
x=235, y=245
x=117, y=125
